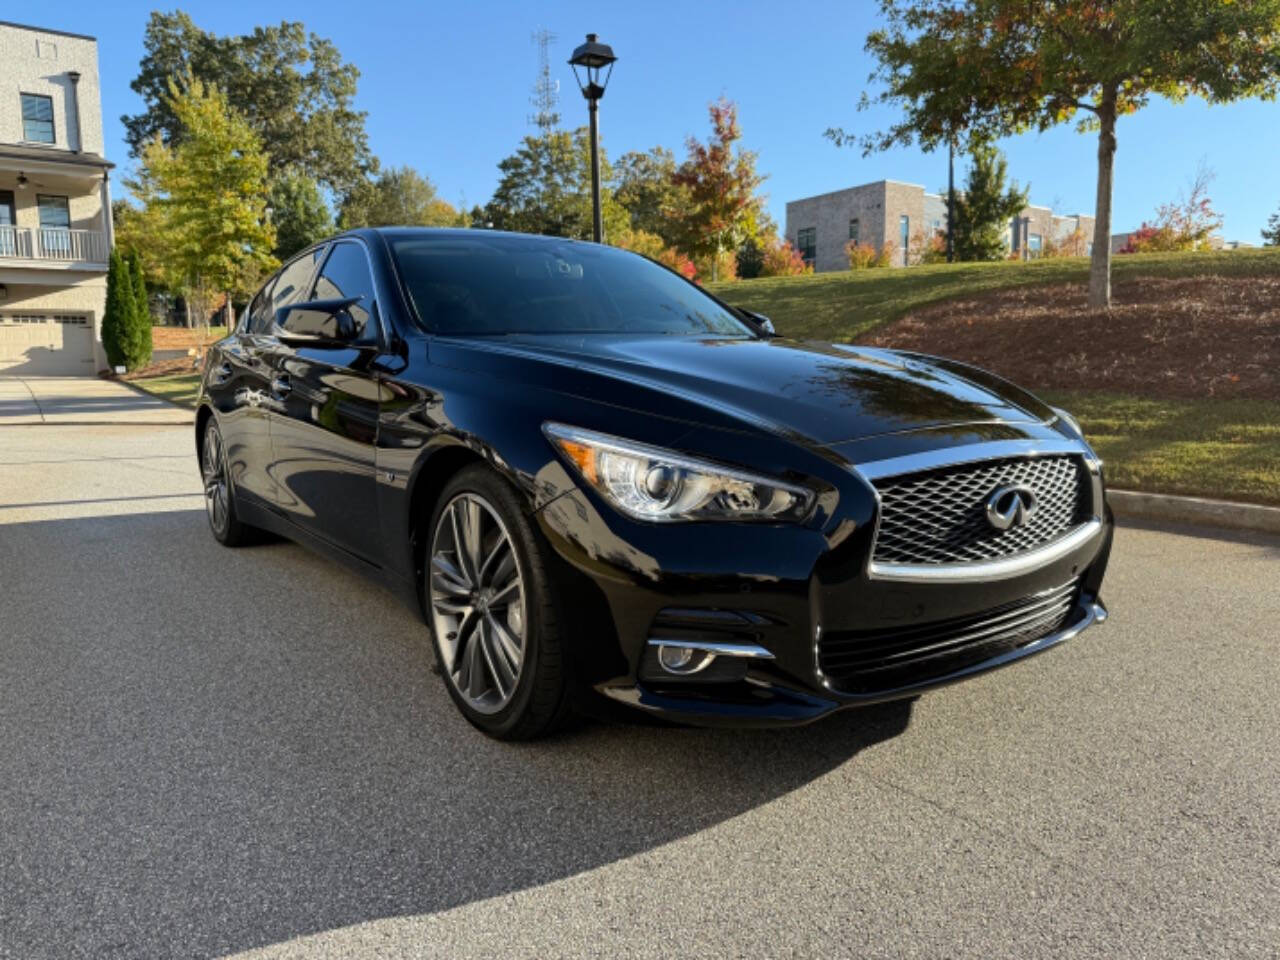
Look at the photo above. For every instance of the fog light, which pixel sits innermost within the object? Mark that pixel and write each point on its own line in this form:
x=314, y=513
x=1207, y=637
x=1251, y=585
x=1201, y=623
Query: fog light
x=683, y=659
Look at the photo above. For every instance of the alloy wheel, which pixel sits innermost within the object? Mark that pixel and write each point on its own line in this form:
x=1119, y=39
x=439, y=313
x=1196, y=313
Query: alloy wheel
x=214, y=472
x=477, y=601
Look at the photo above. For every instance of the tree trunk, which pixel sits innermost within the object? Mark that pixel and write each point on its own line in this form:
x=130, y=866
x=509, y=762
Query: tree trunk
x=1100, y=265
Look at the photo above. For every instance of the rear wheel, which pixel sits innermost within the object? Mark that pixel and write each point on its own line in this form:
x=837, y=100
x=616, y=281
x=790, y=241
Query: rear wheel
x=492, y=610
x=219, y=502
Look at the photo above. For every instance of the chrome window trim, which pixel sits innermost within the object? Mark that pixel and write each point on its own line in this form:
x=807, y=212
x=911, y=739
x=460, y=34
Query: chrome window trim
x=1001, y=569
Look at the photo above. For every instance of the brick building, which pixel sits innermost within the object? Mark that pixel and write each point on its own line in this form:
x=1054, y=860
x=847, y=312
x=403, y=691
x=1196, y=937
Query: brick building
x=901, y=216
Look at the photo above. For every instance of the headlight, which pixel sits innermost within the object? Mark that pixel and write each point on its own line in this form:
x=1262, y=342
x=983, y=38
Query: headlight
x=1069, y=420
x=649, y=483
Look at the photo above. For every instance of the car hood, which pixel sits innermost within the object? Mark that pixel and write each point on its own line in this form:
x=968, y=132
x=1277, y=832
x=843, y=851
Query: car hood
x=819, y=392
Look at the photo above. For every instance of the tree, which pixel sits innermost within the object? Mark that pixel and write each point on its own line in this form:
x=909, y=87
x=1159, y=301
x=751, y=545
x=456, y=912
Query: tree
x=293, y=88
x=140, y=332
x=985, y=207
x=722, y=207
x=1271, y=235
x=118, y=313
x=299, y=212
x=399, y=197
x=645, y=185
x=203, y=226
x=981, y=69
x=546, y=188
x=1185, y=224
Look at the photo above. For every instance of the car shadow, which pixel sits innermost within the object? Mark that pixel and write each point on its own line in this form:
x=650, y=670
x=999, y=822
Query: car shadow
x=210, y=750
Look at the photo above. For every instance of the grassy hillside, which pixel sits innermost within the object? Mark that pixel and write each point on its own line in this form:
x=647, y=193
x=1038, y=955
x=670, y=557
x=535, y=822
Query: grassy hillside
x=847, y=305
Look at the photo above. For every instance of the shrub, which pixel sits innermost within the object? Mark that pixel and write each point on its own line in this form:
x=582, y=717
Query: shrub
x=781, y=259
x=650, y=245
x=677, y=261
x=117, y=317
x=1185, y=224
x=750, y=258
x=863, y=256
x=720, y=267
x=930, y=248
x=1073, y=244
x=140, y=324
x=1154, y=239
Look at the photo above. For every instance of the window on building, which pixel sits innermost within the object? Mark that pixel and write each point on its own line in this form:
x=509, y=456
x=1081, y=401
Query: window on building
x=37, y=118
x=55, y=225
x=1015, y=234
x=1088, y=250
x=854, y=231
x=1034, y=244
x=904, y=238
x=807, y=243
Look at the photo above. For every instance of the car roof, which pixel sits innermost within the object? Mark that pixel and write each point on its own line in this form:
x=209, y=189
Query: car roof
x=458, y=232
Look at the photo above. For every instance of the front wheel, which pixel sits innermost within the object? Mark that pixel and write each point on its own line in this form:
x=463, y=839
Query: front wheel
x=492, y=610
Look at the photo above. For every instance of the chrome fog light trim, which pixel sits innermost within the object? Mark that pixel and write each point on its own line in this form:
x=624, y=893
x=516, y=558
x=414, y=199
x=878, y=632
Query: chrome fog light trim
x=681, y=656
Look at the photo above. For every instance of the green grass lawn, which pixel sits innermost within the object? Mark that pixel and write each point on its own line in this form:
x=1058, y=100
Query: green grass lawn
x=1224, y=449
x=180, y=388
x=846, y=305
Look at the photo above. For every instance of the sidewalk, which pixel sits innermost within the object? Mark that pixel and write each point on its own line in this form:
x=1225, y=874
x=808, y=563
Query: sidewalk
x=83, y=400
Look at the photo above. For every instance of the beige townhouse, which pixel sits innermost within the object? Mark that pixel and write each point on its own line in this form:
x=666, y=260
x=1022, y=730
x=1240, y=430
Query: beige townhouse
x=55, y=203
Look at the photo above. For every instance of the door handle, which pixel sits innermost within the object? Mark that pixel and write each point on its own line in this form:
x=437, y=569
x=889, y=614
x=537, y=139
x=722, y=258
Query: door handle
x=280, y=385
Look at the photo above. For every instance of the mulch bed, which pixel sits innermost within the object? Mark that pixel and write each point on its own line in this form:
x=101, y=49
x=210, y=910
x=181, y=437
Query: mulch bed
x=177, y=338
x=1168, y=337
x=162, y=368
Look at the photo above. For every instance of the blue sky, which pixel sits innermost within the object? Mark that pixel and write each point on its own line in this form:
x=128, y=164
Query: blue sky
x=447, y=86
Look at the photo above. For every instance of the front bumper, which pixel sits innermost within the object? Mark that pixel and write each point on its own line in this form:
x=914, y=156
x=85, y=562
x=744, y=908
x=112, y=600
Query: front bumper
x=809, y=596
x=765, y=702
x=775, y=589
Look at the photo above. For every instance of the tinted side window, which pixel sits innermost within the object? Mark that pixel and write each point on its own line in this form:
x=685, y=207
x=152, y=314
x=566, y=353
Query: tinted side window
x=345, y=276
x=292, y=280
x=258, y=313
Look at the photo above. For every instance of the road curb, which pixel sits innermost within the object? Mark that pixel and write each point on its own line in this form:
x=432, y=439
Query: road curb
x=1197, y=511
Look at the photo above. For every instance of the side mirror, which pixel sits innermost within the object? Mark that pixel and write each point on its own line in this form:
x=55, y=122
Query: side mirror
x=318, y=323
x=759, y=321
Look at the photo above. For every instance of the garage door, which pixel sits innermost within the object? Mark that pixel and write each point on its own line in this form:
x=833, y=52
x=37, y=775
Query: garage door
x=46, y=344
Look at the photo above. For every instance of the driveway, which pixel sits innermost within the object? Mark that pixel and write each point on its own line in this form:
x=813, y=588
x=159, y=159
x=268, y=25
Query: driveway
x=210, y=751
x=81, y=400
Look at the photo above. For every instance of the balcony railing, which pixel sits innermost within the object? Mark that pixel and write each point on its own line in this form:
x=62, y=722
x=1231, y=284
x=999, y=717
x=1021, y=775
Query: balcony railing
x=56, y=244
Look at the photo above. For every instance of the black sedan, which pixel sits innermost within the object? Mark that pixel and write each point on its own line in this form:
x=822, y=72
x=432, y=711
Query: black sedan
x=601, y=485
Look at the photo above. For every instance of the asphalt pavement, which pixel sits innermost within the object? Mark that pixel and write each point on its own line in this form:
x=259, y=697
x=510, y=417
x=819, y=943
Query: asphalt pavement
x=207, y=752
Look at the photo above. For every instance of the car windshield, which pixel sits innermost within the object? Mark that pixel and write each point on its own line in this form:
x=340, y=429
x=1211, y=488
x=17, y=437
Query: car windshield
x=488, y=284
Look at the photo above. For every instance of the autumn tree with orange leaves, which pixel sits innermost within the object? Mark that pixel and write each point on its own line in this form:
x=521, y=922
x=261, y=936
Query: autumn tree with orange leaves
x=722, y=208
x=975, y=70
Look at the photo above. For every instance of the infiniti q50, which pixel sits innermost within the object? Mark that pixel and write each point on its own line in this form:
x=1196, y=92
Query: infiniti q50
x=601, y=485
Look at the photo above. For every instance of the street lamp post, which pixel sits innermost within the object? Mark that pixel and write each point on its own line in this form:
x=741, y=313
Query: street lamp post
x=593, y=57
x=951, y=201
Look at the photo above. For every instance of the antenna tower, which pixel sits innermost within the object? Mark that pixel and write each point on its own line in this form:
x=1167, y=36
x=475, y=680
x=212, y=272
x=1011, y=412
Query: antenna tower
x=546, y=91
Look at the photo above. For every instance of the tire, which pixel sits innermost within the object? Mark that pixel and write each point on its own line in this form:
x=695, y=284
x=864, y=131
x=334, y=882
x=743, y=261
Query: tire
x=493, y=609
x=219, y=498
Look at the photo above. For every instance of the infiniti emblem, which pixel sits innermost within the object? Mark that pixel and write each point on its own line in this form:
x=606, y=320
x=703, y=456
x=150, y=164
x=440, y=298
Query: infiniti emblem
x=1011, y=507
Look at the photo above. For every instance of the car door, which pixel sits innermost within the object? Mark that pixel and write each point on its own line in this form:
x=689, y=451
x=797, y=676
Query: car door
x=238, y=388
x=325, y=414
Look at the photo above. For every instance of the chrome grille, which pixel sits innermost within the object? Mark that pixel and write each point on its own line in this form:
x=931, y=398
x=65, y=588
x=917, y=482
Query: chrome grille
x=939, y=516
x=868, y=661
